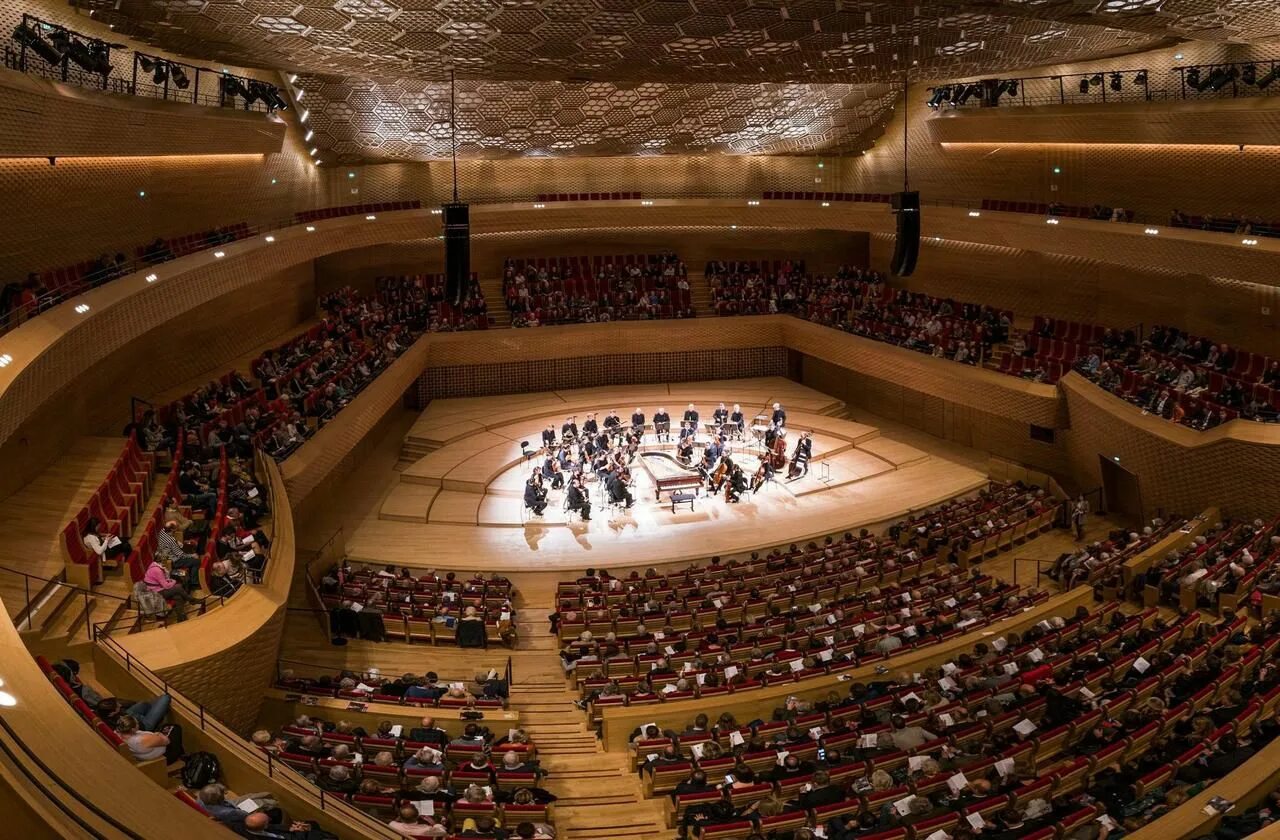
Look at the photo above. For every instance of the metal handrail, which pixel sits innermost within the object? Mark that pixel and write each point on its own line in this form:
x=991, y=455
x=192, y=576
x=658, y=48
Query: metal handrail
x=262, y=761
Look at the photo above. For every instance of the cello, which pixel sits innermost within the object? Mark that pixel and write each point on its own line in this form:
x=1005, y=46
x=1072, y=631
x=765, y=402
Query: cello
x=778, y=452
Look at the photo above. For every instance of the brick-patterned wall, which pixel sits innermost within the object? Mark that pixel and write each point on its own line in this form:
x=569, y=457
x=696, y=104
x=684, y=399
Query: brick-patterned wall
x=1092, y=291
x=590, y=371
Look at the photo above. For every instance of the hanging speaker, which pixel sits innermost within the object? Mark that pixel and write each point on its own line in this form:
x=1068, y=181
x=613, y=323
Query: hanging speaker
x=457, y=251
x=906, y=206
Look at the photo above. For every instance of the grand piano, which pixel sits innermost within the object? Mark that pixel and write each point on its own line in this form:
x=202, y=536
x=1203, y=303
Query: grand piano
x=668, y=474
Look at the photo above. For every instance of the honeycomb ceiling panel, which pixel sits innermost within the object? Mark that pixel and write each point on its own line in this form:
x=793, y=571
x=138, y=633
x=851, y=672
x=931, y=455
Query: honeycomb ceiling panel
x=721, y=64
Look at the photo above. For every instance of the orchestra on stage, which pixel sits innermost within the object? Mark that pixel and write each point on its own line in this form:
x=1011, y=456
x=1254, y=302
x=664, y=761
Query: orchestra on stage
x=609, y=449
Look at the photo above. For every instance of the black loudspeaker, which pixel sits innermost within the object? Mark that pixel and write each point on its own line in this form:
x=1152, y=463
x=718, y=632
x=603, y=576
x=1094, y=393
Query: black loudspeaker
x=906, y=206
x=457, y=251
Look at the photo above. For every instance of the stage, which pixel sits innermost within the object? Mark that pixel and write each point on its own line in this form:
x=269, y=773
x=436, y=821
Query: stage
x=460, y=505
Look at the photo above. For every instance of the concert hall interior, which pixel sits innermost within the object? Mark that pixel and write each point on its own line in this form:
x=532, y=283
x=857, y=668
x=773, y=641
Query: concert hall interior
x=640, y=419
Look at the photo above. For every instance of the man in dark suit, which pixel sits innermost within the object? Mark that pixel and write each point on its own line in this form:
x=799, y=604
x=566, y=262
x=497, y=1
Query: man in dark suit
x=691, y=416
x=662, y=424
x=1162, y=405
x=590, y=427
x=720, y=416
x=535, y=498
x=618, y=491
x=569, y=429
x=637, y=422
x=578, y=500
x=821, y=793
x=779, y=417
x=429, y=733
x=549, y=436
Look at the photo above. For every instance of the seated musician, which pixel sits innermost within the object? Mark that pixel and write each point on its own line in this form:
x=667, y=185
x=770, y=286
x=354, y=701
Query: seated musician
x=688, y=430
x=590, y=427
x=763, y=475
x=770, y=435
x=691, y=416
x=800, y=458
x=737, y=485
x=662, y=424
x=612, y=421
x=551, y=472
x=720, y=416
x=779, y=417
x=549, y=436
x=706, y=465
x=618, y=491
x=535, y=498
x=637, y=422
x=684, y=450
x=715, y=448
x=569, y=430
x=737, y=420
x=577, y=499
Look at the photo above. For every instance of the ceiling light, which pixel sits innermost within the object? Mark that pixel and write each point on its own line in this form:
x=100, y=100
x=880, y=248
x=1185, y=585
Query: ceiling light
x=313, y=151
x=351, y=174
x=974, y=214
x=7, y=699
x=311, y=228
x=826, y=204
x=648, y=202
x=733, y=227
x=1177, y=56
x=271, y=239
x=82, y=308
x=151, y=278
x=436, y=211
x=1248, y=242
x=304, y=115
x=538, y=205
x=219, y=254
x=753, y=202
x=370, y=217
x=1050, y=221
x=5, y=360
x=293, y=79
x=1152, y=231
x=317, y=161
x=306, y=138
x=142, y=193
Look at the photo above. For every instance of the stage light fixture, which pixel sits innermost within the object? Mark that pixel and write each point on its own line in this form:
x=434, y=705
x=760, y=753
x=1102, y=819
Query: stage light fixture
x=179, y=78
x=1222, y=77
x=940, y=95
x=1140, y=78
x=1193, y=77
x=29, y=37
x=1270, y=77
x=1013, y=87
x=1096, y=81
x=1116, y=81
x=968, y=91
x=1084, y=86
x=1249, y=74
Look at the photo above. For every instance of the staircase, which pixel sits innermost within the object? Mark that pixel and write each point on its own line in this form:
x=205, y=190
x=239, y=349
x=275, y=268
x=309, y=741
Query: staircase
x=496, y=302
x=700, y=295
x=599, y=795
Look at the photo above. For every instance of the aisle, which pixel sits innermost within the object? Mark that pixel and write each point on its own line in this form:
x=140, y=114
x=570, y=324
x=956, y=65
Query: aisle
x=599, y=795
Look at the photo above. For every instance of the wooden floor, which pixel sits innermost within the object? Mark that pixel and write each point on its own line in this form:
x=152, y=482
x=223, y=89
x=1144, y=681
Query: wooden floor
x=456, y=503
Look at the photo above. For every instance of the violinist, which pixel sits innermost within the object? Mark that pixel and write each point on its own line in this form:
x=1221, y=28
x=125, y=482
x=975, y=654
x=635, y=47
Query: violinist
x=684, y=450
x=535, y=497
x=551, y=471
x=736, y=486
x=577, y=499
x=618, y=491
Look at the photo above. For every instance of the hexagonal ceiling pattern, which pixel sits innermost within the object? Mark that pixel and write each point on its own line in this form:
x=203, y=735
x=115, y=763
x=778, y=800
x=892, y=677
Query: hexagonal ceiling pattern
x=376, y=65
x=357, y=120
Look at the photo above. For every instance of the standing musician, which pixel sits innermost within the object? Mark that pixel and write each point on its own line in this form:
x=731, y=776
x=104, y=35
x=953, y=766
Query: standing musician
x=535, y=497
x=637, y=422
x=800, y=458
x=618, y=491
x=577, y=499
x=737, y=420
x=569, y=430
x=691, y=416
x=662, y=425
x=548, y=437
x=590, y=427
x=779, y=417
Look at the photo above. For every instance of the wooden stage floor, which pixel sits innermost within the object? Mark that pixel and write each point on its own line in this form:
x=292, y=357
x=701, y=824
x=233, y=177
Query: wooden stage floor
x=459, y=506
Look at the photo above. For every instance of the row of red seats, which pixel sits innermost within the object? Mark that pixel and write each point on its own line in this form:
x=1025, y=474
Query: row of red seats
x=1069, y=330
x=355, y=209
x=1041, y=209
x=595, y=196
x=117, y=503
x=145, y=547
x=82, y=708
x=583, y=265
x=1054, y=369
x=874, y=198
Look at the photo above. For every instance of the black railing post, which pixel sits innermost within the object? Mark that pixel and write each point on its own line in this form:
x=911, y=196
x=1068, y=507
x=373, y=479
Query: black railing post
x=1062, y=92
x=195, y=93
x=1182, y=76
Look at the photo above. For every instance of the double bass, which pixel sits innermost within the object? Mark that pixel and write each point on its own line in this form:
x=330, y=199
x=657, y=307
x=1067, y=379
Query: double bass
x=778, y=452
